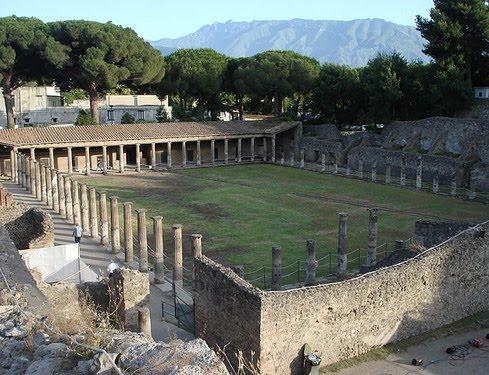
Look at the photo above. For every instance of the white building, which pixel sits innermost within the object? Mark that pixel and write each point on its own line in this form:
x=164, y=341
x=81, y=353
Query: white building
x=481, y=92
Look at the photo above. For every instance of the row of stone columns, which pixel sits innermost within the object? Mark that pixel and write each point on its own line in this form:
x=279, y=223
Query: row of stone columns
x=388, y=173
x=311, y=263
x=78, y=204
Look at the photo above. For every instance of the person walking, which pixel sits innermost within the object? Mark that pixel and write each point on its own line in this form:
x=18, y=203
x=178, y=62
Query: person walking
x=77, y=232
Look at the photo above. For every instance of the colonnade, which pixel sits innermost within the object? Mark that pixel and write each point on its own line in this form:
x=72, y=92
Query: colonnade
x=80, y=204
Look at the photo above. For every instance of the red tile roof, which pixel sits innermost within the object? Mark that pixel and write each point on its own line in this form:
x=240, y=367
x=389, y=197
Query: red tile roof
x=137, y=132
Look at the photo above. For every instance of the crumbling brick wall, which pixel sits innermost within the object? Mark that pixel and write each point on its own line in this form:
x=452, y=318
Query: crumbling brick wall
x=29, y=228
x=227, y=310
x=344, y=319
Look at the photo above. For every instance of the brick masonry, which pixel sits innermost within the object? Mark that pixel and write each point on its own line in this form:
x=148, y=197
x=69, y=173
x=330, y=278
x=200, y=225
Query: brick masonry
x=344, y=319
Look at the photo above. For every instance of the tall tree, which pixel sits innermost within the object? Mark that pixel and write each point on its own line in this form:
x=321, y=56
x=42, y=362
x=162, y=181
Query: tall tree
x=104, y=55
x=279, y=74
x=235, y=82
x=381, y=79
x=26, y=53
x=458, y=34
x=195, y=74
x=337, y=94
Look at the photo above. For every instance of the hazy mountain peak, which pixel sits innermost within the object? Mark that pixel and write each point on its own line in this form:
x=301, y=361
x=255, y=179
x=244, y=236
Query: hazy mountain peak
x=343, y=42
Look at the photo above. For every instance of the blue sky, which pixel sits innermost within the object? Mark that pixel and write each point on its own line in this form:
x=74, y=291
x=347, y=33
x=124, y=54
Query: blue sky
x=154, y=19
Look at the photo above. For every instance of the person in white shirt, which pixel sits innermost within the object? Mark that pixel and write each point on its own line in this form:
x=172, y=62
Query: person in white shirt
x=77, y=232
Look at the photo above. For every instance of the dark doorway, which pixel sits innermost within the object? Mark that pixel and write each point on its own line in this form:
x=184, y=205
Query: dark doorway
x=164, y=157
x=190, y=155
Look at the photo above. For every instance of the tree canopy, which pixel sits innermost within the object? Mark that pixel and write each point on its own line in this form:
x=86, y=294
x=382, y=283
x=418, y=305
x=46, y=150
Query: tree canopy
x=26, y=54
x=458, y=33
x=104, y=55
x=195, y=75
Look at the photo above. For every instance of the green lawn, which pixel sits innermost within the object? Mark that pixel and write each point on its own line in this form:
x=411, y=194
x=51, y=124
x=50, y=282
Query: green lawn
x=243, y=210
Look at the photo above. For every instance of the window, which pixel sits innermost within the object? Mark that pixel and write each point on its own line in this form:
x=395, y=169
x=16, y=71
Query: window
x=110, y=115
x=480, y=94
x=140, y=114
x=54, y=120
x=26, y=120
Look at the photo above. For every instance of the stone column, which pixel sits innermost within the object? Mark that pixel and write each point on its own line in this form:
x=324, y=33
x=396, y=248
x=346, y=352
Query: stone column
x=168, y=153
x=419, y=172
x=54, y=184
x=435, y=183
x=196, y=245
x=138, y=158
x=70, y=160
x=342, y=257
x=372, y=237
x=33, y=153
x=199, y=156
x=282, y=158
x=252, y=149
x=153, y=156
x=68, y=200
x=121, y=158
x=311, y=263
x=360, y=168
x=374, y=171
x=273, y=149
x=302, y=156
x=51, y=158
x=388, y=174
x=61, y=193
x=44, y=188
x=114, y=225
x=49, y=188
x=212, y=152
x=402, y=177
x=104, y=221
x=93, y=212
x=85, y=210
x=29, y=174
x=453, y=185
x=76, y=202
x=128, y=237
x=226, y=151
x=347, y=171
x=471, y=194
x=87, y=161
x=143, y=240
x=15, y=166
x=336, y=162
x=159, y=258
x=239, y=149
x=178, y=258
x=144, y=321
x=276, y=267
x=323, y=163
x=184, y=154
x=38, y=181
x=265, y=149
x=104, y=160
x=292, y=159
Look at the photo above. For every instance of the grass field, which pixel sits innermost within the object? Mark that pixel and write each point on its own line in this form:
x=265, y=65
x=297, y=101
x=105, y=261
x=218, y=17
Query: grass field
x=243, y=210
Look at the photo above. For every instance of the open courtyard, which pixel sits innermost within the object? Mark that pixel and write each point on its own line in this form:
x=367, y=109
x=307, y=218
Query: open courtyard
x=242, y=211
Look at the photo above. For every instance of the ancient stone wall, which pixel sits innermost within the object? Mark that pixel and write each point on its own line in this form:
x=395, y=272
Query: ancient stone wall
x=227, y=310
x=29, y=228
x=344, y=319
x=429, y=233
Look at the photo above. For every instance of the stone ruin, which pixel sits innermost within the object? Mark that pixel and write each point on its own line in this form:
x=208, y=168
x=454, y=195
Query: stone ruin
x=447, y=147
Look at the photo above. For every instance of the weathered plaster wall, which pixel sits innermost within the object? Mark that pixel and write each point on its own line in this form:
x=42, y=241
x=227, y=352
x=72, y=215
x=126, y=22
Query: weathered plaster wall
x=227, y=310
x=430, y=233
x=345, y=319
x=342, y=320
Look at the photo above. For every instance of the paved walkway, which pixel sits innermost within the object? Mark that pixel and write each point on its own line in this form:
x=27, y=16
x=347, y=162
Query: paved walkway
x=98, y=257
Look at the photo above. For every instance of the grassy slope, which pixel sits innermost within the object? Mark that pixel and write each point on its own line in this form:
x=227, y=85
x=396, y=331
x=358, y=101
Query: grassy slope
x=243, y=210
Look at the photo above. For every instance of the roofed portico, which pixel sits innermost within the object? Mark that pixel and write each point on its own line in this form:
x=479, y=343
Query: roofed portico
x=102, y=148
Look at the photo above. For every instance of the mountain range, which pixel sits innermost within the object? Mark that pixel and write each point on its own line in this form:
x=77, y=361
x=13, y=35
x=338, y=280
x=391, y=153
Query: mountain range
x=350, y=43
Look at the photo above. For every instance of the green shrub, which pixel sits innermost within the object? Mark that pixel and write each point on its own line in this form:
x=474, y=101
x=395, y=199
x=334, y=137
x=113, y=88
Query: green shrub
x=127, y=118
x=84, y=118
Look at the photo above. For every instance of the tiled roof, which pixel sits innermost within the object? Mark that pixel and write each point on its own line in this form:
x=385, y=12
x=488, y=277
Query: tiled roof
x=137, y=132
